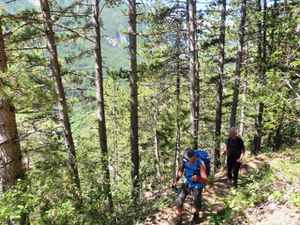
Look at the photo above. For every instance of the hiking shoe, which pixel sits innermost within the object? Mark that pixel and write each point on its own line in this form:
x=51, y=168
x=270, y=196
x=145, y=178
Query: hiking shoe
x=178, y=220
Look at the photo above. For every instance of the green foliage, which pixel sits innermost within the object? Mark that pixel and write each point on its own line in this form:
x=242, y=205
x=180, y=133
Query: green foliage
x=47, y=194
x=275, y=183
x=14, y=203
x=45, y=202
x=295, y=198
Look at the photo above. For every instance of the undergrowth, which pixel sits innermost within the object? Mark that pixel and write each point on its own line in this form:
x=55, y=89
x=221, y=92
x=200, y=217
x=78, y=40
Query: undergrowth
x=278, y=182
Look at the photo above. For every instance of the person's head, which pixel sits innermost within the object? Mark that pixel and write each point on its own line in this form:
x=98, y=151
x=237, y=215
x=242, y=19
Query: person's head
x=233, y=132
x=189, y=155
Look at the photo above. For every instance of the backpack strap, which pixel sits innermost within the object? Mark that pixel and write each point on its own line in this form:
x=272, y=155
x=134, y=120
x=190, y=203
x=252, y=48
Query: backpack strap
x=199, y=162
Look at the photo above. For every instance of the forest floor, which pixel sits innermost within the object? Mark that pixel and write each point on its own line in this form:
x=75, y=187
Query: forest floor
x=218, y=190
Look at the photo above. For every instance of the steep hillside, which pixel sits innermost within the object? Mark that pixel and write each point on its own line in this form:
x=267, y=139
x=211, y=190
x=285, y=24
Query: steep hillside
x=114, y=41
x=14, y=6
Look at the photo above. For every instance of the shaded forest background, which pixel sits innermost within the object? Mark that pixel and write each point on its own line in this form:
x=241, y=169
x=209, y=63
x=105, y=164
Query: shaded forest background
x=194, y=64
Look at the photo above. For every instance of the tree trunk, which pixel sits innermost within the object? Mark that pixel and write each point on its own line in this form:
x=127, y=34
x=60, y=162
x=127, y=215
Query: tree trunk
x=10, y=151
x=178, y=132
x=277, y=138
x=178, y=108
x=11, y=169
x=156, y=144
x=220, y=85
x=3, y=60
x=264, y=40
x=115, y=132
x=133, y=101
x=243, y=107
x=238, y=67
x=100, y=107
x=274, y=16
x=192, y=73
x=258, y=127
x=261, y=56
x=61, y=99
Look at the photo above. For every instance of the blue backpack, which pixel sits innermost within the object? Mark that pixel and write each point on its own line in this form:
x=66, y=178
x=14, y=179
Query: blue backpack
x=201, y=155
x=204, y=156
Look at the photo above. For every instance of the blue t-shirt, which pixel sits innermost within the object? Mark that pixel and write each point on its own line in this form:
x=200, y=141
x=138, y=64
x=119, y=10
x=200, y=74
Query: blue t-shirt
x=191, y=169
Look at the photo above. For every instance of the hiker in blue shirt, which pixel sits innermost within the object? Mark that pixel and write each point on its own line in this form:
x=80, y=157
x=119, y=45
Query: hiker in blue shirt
x=195, y=175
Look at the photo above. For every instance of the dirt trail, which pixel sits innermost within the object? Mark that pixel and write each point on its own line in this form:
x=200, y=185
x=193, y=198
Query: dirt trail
x=213, y=196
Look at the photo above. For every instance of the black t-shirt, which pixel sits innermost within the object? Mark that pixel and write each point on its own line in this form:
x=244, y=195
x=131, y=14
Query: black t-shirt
x=234, y=147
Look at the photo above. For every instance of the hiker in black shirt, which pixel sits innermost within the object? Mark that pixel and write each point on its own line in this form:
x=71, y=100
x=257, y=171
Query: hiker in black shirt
x=235, y=149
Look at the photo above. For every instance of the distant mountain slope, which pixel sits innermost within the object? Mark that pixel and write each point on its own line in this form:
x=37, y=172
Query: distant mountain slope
x=16, y=5
x=114, y=41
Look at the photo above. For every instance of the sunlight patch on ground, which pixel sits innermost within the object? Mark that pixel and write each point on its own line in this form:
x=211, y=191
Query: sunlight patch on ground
x=272, y=213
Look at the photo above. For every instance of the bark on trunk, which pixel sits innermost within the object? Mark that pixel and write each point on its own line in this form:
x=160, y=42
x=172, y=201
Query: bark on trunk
x=178, y=132
x=178, y=108
x=239, y=61
x=133, y=101
x=11, y=168
x=61, y=99
x=220, y=84
x=277, y=138
x=156, y=144
x=262, y=54
x=245, y=89
x=258, y=127
x=10, y=152
x=192, y=73
x=115, y=131
x=100, y=107
x=274, y=17
x=3, y=60
x=243, y=106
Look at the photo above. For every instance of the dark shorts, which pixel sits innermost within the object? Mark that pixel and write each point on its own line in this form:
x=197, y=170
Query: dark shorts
x=183, y=193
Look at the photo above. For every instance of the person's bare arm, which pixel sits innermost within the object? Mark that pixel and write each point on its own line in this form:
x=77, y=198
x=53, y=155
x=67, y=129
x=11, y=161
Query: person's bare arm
x=242, y=153
x=179, y=174
x=203, y=176
x=224, y=150
x=225, y=147
x=242, y=156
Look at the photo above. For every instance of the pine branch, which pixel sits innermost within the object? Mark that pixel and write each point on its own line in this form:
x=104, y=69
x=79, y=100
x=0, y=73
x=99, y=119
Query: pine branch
x=27, y=48
x=15, y=30
x=10, y=1
x=75, y=32
x=23, y=17
x=77, y=2
x=291, y=88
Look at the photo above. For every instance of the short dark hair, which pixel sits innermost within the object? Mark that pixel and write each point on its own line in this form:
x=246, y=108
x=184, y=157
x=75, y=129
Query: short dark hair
x=188, y=154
